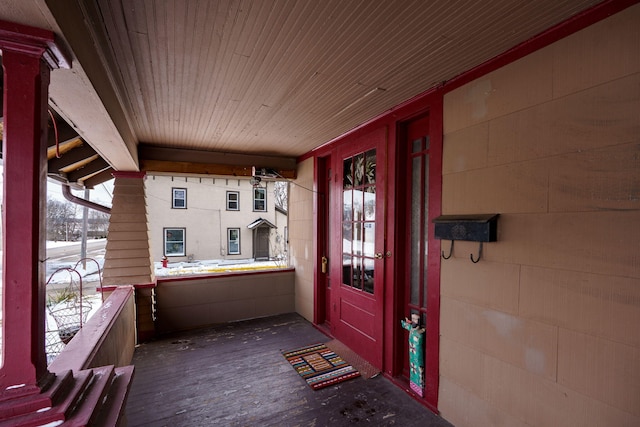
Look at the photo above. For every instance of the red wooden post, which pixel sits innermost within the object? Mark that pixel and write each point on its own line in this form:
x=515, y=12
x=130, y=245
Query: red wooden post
x=28, y=55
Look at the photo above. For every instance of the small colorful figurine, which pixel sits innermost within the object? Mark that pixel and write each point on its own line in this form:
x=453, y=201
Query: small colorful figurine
x=416, y=353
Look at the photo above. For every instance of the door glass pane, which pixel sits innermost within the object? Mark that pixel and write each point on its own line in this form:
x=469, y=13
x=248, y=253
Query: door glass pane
x=358, y=216
x=368, y=246
x=358, y=170
x=347, y=178
x=370, y=167
x=425, y=227
x=416, y=173
x=416, y=145
x=347, y=275
x=347, y=238
x=370, y=204
x=357, y=238
x=347, y=205
x=357, y=272
x=369, y=266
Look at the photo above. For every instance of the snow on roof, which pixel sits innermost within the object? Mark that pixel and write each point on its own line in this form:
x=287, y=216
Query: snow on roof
x=258, y=222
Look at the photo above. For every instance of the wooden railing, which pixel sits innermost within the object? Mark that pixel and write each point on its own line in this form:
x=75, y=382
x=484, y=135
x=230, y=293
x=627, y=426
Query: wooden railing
x=107, y=338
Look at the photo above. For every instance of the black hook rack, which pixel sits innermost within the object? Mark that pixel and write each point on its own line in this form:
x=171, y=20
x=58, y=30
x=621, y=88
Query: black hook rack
x=474, y=228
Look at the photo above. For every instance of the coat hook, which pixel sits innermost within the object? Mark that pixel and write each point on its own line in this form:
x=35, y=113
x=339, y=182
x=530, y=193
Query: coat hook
x=450, y=251
x=475, y=261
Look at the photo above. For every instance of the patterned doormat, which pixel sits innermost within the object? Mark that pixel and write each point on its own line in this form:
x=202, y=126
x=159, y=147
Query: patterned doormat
x=319, y=366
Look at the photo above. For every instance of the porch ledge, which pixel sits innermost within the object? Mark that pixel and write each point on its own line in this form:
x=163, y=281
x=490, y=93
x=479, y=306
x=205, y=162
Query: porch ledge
x=178, y=278
x=101, y=342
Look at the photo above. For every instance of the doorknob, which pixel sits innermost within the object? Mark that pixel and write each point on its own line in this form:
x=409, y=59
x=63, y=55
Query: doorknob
x=378, y=255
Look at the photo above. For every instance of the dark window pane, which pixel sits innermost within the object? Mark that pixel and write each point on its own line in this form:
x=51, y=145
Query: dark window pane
x=368, y=282
x=357, y=272
x=416, y=145
x=347, y=178
x=347, y=274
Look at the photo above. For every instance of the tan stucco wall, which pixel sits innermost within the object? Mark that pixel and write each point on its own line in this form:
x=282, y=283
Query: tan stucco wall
x=205, y=218
x=545, y=330
x=301, y=249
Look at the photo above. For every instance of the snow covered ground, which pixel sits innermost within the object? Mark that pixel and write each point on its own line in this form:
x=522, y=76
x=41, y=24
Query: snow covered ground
x=182, y=268
x=214, y=266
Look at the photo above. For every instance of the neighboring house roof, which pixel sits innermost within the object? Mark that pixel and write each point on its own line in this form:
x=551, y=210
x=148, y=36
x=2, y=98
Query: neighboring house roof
x=259, y=222
x=281, y=210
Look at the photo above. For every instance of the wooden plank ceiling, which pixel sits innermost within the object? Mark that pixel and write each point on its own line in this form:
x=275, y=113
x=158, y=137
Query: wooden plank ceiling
x=274, y=77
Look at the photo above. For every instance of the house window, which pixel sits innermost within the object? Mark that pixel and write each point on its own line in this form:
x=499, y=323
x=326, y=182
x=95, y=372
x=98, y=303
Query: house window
x=174, y=241
x=233, y=201
x=233, y=244
x=179, y=199
x=260, y=199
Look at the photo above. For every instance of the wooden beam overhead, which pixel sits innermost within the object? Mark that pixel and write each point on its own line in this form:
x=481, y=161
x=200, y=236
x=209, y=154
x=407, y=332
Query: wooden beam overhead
x=98, y=178
x=71, y=157
x=191, y=168
x=180, y=161
x=90, y=169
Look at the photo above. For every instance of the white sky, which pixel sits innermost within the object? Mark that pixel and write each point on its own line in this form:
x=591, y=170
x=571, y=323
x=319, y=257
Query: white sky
x=100, y=194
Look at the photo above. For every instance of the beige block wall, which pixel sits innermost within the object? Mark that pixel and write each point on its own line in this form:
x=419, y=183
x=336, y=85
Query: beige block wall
x=301, y=238
x=545, y=330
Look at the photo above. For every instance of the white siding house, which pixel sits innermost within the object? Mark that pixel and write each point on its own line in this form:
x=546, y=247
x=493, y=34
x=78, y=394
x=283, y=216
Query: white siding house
x=198, y=218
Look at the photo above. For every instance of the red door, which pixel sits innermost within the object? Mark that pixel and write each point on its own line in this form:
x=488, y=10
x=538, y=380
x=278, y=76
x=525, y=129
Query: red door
x=419, y=280
x=358, y=239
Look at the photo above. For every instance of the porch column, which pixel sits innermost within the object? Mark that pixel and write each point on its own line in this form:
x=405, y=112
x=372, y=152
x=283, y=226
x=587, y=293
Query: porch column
x=28, y=56
x=128, y=253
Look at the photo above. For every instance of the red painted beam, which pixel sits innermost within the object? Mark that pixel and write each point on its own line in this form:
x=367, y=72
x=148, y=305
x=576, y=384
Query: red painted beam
x=28, y=54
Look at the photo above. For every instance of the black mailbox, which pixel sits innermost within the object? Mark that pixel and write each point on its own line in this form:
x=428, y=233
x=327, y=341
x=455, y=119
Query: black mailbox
x=474, y=228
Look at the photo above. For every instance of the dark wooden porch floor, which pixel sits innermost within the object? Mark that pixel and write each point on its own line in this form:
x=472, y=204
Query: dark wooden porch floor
x=234, y=375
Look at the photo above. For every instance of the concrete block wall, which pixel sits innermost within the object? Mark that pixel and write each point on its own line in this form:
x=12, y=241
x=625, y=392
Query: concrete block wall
x=545, y=330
